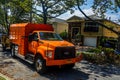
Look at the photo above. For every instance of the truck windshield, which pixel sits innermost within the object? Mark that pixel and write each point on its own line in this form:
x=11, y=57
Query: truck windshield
x=49, y=36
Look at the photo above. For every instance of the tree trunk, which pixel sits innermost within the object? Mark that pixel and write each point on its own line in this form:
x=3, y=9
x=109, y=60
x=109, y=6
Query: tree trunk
x=45, y=17
x=44, y=12
x=6, y=19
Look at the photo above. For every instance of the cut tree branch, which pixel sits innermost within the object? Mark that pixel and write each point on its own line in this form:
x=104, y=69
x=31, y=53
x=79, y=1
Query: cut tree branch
x=52, y=5
x=96, y=21
x=118, y=3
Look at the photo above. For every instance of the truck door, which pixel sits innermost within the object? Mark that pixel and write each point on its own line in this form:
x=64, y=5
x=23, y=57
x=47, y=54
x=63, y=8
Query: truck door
x=33, y=43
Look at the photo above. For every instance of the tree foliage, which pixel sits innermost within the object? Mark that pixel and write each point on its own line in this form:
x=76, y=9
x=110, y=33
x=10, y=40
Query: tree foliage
x=54, y=8
x=78, y=5
x=17, y=11
x=14, y=11
x=4, y=13
x=102, y=6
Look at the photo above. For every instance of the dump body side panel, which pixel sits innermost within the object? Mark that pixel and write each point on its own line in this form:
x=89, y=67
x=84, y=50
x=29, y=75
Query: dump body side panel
x=16, y=37
x=19, y=34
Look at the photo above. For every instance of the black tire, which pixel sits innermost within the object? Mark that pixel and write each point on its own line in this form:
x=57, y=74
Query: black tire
x=70, y=66
x=40, y=64
x=13, y=51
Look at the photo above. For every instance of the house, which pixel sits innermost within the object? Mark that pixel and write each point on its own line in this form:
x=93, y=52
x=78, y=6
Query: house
x=59, y=25
x=90, y=32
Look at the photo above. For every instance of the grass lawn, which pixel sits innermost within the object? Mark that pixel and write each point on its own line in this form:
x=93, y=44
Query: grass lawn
x=2, y=78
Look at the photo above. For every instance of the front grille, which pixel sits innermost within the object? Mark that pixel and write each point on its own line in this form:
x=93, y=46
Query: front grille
x=64, y=53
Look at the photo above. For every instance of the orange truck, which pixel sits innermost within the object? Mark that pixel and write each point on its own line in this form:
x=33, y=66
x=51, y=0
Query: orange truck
x=39, y=44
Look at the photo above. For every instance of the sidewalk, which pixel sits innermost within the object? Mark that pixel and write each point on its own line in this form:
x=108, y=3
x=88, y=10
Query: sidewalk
x=2, y=73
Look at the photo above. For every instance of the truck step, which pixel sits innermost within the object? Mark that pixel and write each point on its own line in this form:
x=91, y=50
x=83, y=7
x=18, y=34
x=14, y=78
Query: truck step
x=30, y=57
x=23, y=58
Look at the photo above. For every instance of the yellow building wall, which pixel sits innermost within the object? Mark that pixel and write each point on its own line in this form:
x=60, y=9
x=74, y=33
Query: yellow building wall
x=102, y=31
x=109, y=33
x=92, y=34
x=60, y=27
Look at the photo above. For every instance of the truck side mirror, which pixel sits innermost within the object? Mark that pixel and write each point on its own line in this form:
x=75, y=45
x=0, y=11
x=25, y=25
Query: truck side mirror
x=36, y=39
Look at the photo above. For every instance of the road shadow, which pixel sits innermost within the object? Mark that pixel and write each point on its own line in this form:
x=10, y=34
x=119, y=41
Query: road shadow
x=4, y=62
x=103, y=70
x=7, y=55
x=27, y=64
x=65, y=74
x=53, y=73
x=77, y=73
x=4, y=54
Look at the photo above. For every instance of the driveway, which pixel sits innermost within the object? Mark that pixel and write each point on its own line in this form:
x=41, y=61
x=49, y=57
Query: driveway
x=18, y=69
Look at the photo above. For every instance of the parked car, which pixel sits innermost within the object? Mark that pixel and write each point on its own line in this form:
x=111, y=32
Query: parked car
x=110, y=44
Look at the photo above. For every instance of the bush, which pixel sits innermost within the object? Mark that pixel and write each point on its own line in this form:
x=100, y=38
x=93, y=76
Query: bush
x=96, y=56
x=95, y=50
x=108, y=50
x=64, y=35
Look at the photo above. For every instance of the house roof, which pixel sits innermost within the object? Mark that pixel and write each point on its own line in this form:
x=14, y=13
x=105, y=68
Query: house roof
x=93, y=17
x=75, y=19
x=57, y=20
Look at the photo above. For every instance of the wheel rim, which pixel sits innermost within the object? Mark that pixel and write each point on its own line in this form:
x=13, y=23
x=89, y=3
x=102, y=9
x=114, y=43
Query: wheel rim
x=38, y=64
x=16, y=49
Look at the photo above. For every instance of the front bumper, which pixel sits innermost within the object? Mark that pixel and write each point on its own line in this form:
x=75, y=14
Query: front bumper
x=63, y=62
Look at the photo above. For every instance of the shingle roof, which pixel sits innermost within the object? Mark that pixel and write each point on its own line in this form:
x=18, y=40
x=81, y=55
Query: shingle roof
x=94, y=17
x=58, y=20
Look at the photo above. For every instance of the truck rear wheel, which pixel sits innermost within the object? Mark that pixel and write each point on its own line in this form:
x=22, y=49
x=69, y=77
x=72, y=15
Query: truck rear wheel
x=40, y=64
x=14, y=50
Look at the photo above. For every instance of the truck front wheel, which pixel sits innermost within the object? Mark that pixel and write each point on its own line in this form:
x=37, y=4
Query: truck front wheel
x=69, y=66
x=40, y=64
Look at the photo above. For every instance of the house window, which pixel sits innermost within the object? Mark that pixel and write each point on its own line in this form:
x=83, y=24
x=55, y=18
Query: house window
x=91, y=27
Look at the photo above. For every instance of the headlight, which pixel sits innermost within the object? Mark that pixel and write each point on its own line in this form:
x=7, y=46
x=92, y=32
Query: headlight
x=49, y=54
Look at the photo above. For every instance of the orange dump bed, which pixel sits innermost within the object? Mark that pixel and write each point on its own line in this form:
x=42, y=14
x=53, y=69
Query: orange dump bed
x=19, y=34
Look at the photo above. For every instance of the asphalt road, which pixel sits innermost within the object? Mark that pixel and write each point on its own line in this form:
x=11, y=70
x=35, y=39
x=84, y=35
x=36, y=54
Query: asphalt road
x=18, y=69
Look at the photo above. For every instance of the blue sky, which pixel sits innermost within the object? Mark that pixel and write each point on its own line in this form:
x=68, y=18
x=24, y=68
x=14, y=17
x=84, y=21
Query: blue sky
x=88, y=10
